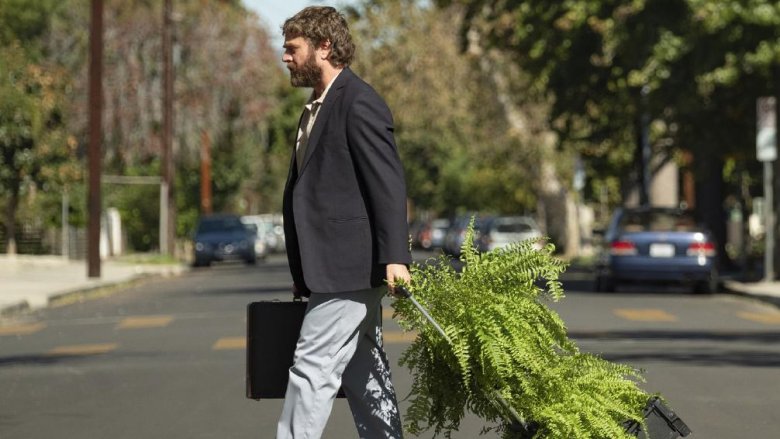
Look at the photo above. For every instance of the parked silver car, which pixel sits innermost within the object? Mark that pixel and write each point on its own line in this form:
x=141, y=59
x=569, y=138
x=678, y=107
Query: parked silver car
x=501, y=231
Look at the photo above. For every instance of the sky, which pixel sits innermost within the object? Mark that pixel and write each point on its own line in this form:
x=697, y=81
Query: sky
x=274, y=12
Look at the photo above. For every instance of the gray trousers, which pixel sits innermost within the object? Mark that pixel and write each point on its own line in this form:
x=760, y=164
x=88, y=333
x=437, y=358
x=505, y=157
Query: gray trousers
x=341, y=346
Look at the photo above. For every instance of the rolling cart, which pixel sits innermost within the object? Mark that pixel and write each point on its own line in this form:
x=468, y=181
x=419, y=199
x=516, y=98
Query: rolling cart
x=661, y=421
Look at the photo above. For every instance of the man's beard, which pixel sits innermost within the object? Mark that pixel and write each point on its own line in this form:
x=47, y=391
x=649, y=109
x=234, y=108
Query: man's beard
x=307, y=75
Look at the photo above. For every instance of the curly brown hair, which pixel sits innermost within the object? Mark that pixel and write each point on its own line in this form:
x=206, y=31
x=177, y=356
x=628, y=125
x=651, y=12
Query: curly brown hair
x=323, y=23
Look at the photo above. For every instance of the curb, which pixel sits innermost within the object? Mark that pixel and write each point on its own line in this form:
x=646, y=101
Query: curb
x=66, y=297
x=86, y=292
x=766, y=298
x=15, y=308
x=77, y=294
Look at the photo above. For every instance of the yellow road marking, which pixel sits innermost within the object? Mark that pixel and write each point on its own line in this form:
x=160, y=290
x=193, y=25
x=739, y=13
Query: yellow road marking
x=229, y=343
x=768, y=318
x=84, y=349
x=394, y=337
x=23, y=329
x=645, y=315
x=144, y=322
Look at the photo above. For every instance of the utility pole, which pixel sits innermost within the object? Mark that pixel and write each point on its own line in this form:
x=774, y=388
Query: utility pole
x=776, y=175
x=95, y=137
x=168, y=241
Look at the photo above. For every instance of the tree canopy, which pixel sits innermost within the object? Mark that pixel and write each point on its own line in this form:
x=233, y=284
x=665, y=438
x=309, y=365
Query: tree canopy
x=228, y=82
x=36, y=150
x=454, y=140
x=684, y=74
x=476, y=87
x=701, y=64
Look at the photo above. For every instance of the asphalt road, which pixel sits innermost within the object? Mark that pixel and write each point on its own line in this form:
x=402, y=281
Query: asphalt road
x=165, y=359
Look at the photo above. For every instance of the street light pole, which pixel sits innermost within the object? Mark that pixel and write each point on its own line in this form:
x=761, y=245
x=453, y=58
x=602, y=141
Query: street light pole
x=95, y=137
x=766, y=152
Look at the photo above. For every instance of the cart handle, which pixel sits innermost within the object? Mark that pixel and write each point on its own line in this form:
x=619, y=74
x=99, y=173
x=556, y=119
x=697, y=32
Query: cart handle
x=406, y=294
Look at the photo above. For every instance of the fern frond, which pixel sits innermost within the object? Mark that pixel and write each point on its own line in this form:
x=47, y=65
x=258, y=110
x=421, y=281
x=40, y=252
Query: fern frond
x=503, y=338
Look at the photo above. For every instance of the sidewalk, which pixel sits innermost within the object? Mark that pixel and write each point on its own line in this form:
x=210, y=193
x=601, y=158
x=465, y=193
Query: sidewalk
x=765, y=291
x=31, y=282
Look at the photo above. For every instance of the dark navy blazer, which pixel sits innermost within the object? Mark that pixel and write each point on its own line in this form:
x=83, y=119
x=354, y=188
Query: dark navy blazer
x=345, y=212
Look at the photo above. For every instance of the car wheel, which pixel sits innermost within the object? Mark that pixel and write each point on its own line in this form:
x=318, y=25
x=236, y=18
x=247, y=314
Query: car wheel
x=202, y=263
x=604, y=284
x=709, y=286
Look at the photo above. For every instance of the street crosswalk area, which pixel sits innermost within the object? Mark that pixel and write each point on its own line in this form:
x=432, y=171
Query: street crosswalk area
x=107, y=335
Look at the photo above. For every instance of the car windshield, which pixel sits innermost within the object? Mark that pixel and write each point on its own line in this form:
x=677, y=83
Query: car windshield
x=513, y=227
x=210, y=225
x=657, y=221
x=440, y=224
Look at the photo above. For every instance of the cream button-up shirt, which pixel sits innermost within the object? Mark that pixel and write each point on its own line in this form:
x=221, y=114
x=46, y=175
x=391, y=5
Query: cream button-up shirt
x=310, y=112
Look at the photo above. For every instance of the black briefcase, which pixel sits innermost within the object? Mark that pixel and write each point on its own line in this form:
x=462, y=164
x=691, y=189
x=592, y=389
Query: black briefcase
x=272, y=330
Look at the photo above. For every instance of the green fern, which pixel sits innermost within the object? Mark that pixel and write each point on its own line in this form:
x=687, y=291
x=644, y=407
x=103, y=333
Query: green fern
x=504, y=340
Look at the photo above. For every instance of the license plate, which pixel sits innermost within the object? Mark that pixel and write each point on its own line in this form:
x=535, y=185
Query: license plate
x=662, y=250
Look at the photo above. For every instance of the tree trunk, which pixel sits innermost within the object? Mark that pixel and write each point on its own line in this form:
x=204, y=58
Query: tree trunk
x=558, y=213
x=556, y=203
x=709, y=202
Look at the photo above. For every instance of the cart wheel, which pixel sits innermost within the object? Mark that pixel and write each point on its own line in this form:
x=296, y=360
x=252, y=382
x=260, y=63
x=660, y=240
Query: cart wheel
x=525, y=430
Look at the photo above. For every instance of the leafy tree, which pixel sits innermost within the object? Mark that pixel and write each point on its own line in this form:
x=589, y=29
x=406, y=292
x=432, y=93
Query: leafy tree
x=36, y=151
x=455, y=143
x=26, y=21
x=226, y=81
x=693, y=68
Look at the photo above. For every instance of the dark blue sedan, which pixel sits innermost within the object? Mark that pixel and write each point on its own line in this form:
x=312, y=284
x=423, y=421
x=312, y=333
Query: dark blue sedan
x=223, y=237
x=655, y=245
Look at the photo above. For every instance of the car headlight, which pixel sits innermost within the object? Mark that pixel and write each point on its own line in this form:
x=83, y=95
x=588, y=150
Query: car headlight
x=199, y=246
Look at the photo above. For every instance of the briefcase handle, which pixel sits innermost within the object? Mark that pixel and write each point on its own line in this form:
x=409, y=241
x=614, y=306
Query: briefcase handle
x=297, y=295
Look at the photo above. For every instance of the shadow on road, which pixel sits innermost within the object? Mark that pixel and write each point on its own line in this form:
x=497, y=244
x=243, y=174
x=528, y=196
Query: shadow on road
x=700, y=355
x=771, y=337
x=271, y=289
x=705, y=358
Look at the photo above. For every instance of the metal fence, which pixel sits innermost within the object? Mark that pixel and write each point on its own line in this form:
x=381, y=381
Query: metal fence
x=33, y=240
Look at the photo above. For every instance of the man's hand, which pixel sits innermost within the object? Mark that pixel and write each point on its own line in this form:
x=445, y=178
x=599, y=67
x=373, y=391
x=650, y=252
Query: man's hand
x=397, y=273
x=299, y=292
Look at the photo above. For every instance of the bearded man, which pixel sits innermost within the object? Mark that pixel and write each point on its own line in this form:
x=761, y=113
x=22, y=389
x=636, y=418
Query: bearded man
x=346, y=233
